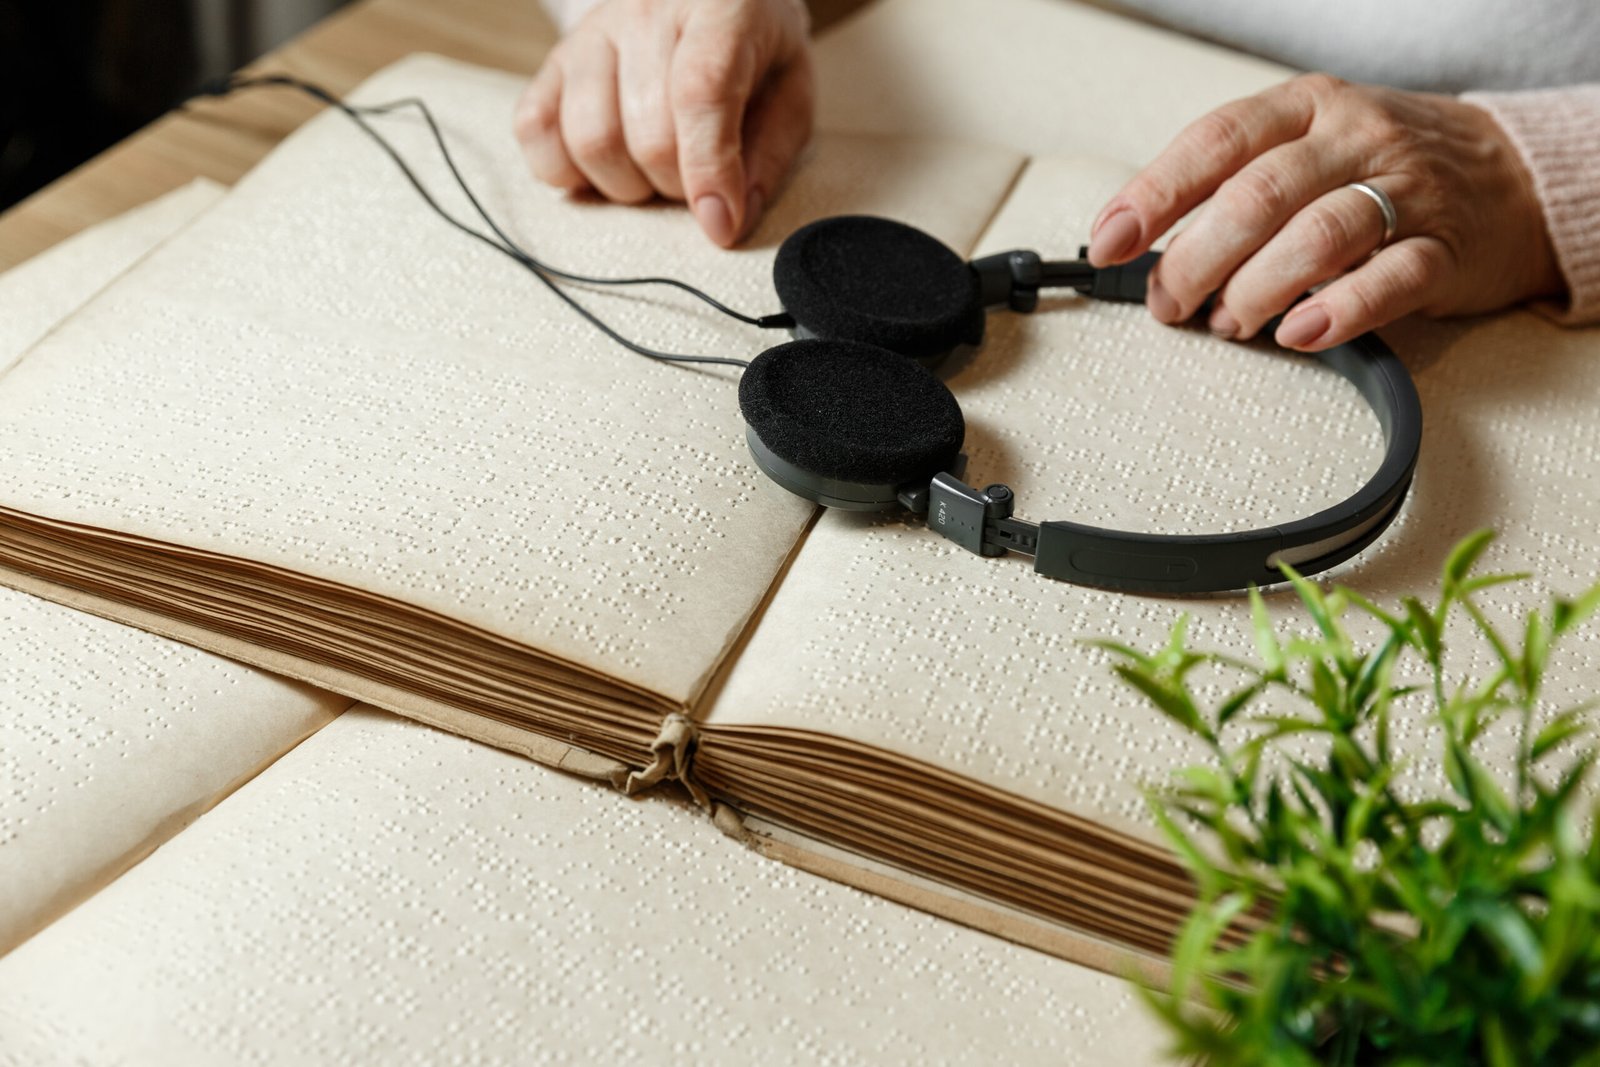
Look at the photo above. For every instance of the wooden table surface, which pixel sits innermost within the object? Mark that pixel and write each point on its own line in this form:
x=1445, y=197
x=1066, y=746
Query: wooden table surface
x=221, y=139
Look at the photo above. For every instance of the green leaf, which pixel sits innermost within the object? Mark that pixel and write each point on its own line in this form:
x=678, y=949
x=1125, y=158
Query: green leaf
x=1425, y=627
x=1469, y=713
x=1355, y=823
x=1570, y=613
x=1477, y=787
x=1266, y=638
x=1566, y=725
x=1238, y=702
x=1175, y=640
x=1410, y=887
x=1513, y=665
x=1307, y=876
x=1498, y=1051
x=1375, y=669
x=1509, y=929
x=1496, y=807
x=1284, y=726
x=1393, y=622
x=1207, y=783
x=1275, y=811
x=1204, y=872
x=1325, y=690
x=1118, y=649
x=1463, y=556
x=1456, y=774
x=1173, y=702
x=1297, y=783
x=1535, y=652
x=1380, y=736
x=1572, y=778
x=1316, y=604
x=1489, y=581
x=1200, y=933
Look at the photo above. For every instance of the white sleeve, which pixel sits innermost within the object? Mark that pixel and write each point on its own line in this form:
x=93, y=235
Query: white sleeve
x=566, y=13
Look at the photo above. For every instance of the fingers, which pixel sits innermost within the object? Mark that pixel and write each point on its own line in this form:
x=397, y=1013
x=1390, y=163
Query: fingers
x=569, y=124
x=1241, y=217
x=713, y=75
x=591, y=120
x=1199, y=160
x=1280, y=220
x=537, y=122
x=708, y=101
x=777, y=127
x=1404, y=277
x=642, y=73
x=1336, y=232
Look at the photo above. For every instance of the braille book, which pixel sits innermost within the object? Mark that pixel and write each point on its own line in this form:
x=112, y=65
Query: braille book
x=322, y=433
x=385, y=889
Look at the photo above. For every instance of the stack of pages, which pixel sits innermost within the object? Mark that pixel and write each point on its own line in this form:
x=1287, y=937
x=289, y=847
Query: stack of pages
x=321, y=433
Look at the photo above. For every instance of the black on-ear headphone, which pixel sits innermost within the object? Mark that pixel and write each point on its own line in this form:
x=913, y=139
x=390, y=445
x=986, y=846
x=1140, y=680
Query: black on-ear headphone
x=848, y=415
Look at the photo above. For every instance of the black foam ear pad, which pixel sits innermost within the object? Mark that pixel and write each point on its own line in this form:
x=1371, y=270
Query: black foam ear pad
x=880, y=282
x=851, y=412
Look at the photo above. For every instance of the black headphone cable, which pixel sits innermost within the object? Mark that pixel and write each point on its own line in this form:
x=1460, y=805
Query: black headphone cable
x=548, y=275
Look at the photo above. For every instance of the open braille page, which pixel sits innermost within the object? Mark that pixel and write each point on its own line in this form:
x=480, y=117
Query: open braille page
x=530, y=917
x=436, y=487
x=941, y=709
x=1041, y=76
x=35, y=296
x=111, y=739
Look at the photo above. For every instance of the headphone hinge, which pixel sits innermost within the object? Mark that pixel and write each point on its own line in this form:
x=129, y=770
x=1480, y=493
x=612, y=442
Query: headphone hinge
x=1010, y=278
x=978, y=520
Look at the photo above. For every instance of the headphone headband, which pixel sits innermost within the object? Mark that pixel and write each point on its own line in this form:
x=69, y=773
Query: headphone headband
x=982, y=521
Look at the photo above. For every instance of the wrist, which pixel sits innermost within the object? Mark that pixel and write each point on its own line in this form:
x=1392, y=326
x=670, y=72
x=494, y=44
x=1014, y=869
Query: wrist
x=1540, y=270
x=1554, y=133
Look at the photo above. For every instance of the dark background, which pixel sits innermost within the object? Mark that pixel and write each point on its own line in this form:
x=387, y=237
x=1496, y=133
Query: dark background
x=78, y=75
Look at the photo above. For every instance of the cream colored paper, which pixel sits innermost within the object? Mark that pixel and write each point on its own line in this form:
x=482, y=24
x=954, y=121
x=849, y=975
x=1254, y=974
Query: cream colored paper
x=389, y=893
x=112, y=740
x=887, y=635
x=1047, y=77
x=324, y=377
x=38, y=294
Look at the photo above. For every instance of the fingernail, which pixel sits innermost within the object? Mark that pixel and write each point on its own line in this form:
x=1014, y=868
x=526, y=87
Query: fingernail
x=754, y=205
x=711, y=211
x=1116, y=236
x=1223, y=324
x=1302, y=326
x=1112, y=207
x=1160, y=302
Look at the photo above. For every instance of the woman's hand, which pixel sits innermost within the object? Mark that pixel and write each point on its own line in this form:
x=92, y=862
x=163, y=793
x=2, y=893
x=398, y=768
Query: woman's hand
x=707, y=101
x=1278, y=219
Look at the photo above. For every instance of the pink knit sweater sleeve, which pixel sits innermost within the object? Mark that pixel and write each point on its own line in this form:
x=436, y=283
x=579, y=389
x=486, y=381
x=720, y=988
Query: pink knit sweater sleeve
x=1558, y=133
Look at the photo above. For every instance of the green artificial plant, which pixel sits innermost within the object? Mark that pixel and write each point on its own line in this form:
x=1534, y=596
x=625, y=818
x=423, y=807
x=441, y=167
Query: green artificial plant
x=1342, y=919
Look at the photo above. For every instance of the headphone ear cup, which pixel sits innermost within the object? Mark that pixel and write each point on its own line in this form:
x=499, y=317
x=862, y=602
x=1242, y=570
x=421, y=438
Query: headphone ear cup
x=878, y=282
x=846, y=424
